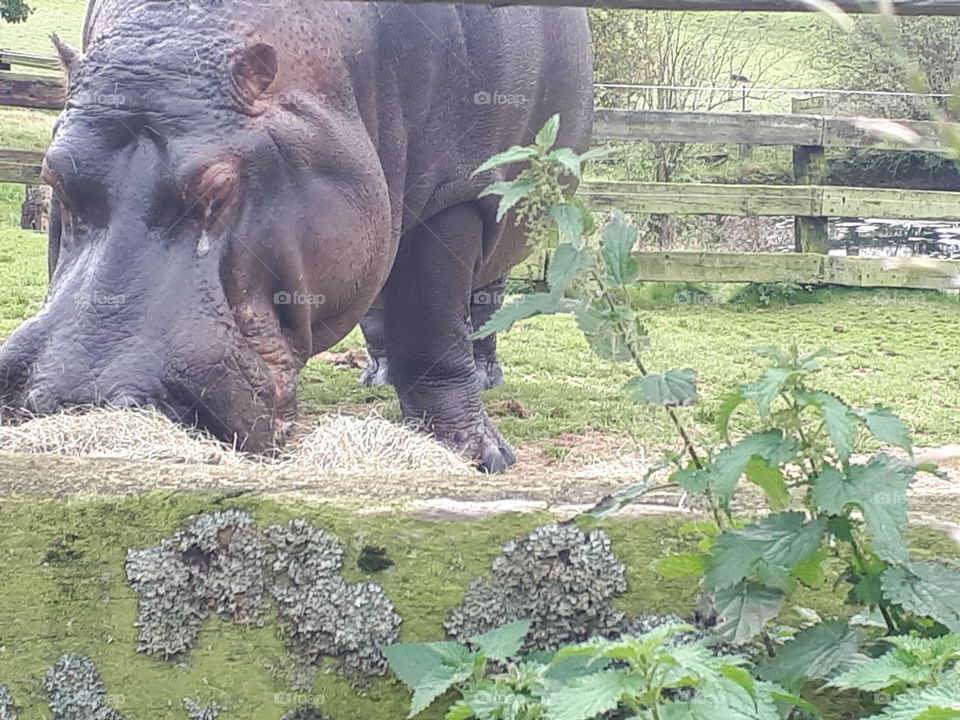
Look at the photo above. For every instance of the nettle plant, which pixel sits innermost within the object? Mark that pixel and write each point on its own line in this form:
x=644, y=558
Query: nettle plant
x=653, y=676
x=830, y=513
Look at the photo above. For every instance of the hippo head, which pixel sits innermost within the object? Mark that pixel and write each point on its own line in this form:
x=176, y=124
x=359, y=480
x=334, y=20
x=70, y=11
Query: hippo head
x=216, y=221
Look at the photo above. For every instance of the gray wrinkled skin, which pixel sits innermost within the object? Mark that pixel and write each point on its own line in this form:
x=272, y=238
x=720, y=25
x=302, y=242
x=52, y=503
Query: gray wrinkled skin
x=8, y=711
x=237, y=183
x=76, y=692
x=222, y=564
x=559, y=577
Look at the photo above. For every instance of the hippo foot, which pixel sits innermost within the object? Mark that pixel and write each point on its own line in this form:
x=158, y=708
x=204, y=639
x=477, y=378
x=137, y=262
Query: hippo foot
x=489, y=372
x=482, y=444
x=376, y=373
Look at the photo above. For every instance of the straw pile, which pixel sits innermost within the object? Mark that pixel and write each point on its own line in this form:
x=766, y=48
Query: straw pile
x=334, y=444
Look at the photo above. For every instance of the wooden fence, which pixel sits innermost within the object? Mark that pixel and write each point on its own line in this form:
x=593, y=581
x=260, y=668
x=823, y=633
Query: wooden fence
x=810, y=203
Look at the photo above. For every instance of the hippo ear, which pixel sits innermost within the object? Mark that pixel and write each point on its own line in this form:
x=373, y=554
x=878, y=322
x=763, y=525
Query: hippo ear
x=254, y=70
x=68, y=56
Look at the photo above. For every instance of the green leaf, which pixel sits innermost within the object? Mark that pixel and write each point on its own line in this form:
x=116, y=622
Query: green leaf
x=726, y=411
x=741, y=677
x=888, y=428
x=569, y=159
x=873, y=674
x=675, y=388
x=566, y=264
x=770, y=480
x=511, y=193
x=585, y=698
x=811, y=361
x=569, y=219
x=598, y=153
x=502, y=643
x=744, y=609
x=723, y=699
x=813, y=654
x=879, y=489
x=782, y=358
x=811, y=571
x=433, y=684
x=459, y=711
x=926, y=589
x=937, y=702
x=836, y=416
x=765, y=390
x=616, y=247
x=680, y=565
x=411, y=661
x=507, y=157
x=797, y=702
x=721, y=475
x=603, y=333
x=526, y=306
x=767, y=550
x=548, y=133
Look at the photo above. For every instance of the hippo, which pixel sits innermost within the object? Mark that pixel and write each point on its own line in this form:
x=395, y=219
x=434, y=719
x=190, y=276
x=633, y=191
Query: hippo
x=238, y=183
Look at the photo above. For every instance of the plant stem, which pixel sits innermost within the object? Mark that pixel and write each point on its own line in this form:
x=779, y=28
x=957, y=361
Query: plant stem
x=887, y=618
x=635, y=356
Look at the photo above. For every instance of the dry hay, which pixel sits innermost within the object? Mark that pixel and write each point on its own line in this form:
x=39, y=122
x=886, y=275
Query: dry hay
x=334, y=444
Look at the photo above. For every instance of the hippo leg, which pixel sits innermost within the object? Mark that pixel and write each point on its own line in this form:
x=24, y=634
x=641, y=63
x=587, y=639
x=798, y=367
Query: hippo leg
x=376, y=371
x=484, y=303
x=427, y=327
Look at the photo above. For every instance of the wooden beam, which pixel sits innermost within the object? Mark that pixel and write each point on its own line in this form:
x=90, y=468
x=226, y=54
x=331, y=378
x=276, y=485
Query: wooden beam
x=903, y=7
x=20, y=166
x=770, y=200
x=21, y=59
x=611, y=125
x=800, y=268
x=45, y=92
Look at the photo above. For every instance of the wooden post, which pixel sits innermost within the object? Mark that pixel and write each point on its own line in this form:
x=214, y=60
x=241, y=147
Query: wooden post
x=35, y=209
x=809, y=167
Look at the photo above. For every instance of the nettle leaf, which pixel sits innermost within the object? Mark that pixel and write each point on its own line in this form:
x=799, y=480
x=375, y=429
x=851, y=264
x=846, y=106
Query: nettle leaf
x=502, y=643
x=873, y=674
x=879, y=489
x=411, y=661
x=461, y=710
x=770, y=480
x=767, y=550
x=765, y=390
x=837, y=416
x=566, y=264
x=510, y=194
x=811, y=571
x=782, y=358
x=724, y=699
x=680, y=565
x=569, y=219
x=814, y=653
x=727, y=408
x=548, y=133
x=616, y=247
x=925, y=589
x=603, y=333
x=674, y=388
x=721, y=475
x=435, y=683
x=568, y=158
x=744, y=609
x=888, y=428
x=937, y=702
x=586, y=697
x=526, y=306
x=507, y=157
